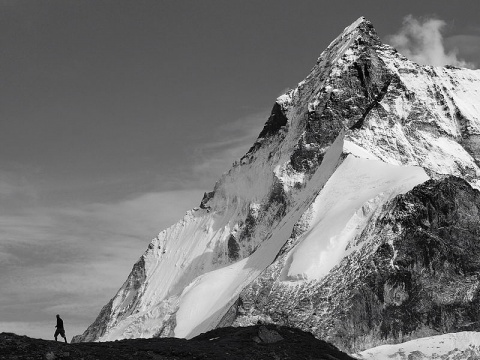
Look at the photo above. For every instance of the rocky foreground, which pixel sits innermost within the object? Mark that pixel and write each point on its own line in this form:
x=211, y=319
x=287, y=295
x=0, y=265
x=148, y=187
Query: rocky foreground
x=253, y=342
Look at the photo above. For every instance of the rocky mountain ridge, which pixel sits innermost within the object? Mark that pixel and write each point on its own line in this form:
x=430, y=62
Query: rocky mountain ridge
x=310, y=228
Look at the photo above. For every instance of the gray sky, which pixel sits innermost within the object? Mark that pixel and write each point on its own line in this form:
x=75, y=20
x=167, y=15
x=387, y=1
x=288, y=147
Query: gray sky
x=116, y=116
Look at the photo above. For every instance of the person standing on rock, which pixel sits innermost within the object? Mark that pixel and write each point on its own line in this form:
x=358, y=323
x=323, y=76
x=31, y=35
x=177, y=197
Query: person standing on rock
x=60, y=330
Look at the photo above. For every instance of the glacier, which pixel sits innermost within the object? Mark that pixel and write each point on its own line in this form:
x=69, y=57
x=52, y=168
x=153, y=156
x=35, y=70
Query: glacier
x=298, y=216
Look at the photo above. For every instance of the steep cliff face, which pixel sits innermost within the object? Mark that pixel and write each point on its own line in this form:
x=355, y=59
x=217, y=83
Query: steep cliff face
x=307, y=229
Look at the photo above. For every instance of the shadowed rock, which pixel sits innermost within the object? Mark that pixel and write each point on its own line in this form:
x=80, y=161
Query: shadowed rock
x=254, y=342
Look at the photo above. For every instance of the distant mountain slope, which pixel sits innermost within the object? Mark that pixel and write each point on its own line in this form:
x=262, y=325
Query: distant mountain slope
x=315, y=225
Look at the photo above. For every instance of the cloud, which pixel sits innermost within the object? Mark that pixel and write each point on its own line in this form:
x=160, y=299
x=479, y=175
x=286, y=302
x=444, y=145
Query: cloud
x=422, y=41
x=15, y=189
x=57, y=259
x=468, y=45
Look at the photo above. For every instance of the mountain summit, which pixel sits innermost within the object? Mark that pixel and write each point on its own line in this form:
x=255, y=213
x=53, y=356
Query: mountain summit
x=353, y=216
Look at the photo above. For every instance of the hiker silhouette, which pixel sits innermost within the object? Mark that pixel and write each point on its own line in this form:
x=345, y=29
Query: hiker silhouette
x=60, y=330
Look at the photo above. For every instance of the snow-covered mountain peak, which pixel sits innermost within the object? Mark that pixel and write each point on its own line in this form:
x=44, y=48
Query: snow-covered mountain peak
x=288, y=226
x=354, y=40
x=360, y=31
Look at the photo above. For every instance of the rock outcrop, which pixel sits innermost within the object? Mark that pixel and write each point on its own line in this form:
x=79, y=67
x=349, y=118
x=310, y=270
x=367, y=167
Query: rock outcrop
x=229, y=343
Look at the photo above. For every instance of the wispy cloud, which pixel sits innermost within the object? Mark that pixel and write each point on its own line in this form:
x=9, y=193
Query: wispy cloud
x=468, y=45
x=422, y=41
x=15, y=189
x=73, y=260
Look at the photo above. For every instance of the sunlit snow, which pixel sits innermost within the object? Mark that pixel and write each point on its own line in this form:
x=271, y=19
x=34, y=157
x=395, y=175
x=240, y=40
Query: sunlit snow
x=353, y=183
x=453, y=346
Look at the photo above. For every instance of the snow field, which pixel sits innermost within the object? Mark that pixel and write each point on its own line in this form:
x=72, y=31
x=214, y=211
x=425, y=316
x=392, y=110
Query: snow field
x=452, y=346
x=355, y=182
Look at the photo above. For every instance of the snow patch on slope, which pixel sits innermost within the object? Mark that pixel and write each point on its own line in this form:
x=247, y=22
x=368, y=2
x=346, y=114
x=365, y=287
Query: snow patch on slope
x=355, y=182
x=453, y=346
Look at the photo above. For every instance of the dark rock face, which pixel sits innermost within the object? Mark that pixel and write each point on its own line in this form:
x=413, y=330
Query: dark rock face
x=416, y=275
x=233, y=248
x=270, y=212
x=254, y=342
x=267, y=336
x=276, y=120
x=363, y=85
x=206, y=198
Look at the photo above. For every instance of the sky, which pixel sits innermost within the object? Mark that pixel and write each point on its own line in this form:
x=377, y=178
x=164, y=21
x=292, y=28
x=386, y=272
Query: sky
x=116, y=116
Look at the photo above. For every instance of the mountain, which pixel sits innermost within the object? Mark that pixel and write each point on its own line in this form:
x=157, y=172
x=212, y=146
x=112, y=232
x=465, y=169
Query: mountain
x=353, y=216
